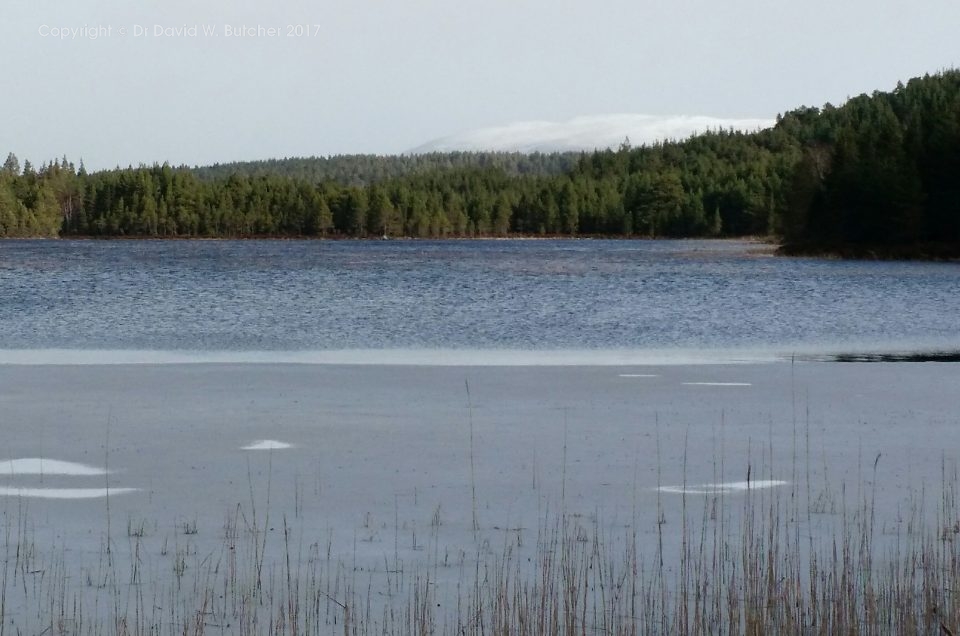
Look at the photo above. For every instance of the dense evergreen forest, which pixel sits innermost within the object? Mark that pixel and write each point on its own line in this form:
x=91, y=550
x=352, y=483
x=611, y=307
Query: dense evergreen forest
x=879, y=174
x=363, y=170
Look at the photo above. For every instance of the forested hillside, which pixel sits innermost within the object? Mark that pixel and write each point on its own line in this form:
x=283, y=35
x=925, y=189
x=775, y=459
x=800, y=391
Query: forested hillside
x=364, y=170
x=880, y=173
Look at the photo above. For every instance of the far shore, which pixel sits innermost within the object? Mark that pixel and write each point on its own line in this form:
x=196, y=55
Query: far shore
x=758, y=245
x=761, y=245
x=875, y=252
x=340, y=237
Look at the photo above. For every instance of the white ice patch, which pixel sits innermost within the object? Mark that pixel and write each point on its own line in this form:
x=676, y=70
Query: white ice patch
x=267, y=444
x=63, y=493
x=40, y=466
x=722, y=488
x=50, y=467
x=717, y=384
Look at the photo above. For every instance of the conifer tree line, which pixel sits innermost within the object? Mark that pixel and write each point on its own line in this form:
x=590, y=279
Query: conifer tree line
x=362, y=170
x=881, y=170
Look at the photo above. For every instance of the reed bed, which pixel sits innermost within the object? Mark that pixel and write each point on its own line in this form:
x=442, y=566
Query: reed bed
x=720, y=563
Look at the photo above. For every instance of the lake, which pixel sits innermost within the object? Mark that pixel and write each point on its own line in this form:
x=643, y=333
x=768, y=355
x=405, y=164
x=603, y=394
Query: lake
x=278, y=437
x=520, y=295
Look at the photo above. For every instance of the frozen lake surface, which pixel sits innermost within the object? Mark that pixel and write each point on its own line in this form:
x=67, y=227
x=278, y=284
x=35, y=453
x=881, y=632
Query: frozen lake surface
x=374, y=462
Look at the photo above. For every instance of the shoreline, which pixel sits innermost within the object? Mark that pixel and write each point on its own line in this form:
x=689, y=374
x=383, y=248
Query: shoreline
x=758, y=240
x=925, y=252
x=758, y=245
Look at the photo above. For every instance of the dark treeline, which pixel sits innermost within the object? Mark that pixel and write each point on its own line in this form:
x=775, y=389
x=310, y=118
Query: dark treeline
x=881, y=170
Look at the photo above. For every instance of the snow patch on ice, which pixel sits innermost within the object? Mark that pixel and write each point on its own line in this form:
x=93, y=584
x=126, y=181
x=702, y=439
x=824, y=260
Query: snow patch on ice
x=63, y=493
x=717, y=384
x=41, y=466
x=267, y=444
x=724, y=487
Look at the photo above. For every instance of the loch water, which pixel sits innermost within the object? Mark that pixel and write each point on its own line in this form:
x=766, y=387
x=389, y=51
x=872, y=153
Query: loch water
x=490, y=294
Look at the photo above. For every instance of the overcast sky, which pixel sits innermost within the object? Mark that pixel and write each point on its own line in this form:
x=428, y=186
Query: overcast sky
x=386, y=76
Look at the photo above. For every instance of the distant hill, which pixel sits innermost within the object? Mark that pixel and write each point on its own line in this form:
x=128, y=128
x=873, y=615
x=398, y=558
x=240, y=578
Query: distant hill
x=363, y=170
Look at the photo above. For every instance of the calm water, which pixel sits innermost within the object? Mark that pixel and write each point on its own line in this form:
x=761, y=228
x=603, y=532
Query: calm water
x=312, y=295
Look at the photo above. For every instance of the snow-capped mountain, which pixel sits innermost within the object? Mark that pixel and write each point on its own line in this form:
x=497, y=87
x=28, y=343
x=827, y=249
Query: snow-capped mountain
x=585, y=133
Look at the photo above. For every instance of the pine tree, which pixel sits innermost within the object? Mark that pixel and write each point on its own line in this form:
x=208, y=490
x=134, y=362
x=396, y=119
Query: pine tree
x=11, y=167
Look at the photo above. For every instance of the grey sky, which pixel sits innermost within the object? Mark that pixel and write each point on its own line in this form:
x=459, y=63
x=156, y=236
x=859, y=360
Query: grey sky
x=386, y=76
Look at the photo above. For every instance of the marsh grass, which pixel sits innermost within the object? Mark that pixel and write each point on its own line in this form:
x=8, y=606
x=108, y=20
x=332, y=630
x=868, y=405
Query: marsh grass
x=761, y=561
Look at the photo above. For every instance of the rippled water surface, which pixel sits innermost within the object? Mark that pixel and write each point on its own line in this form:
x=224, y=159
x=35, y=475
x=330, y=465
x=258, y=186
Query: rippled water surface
x=323, y=295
